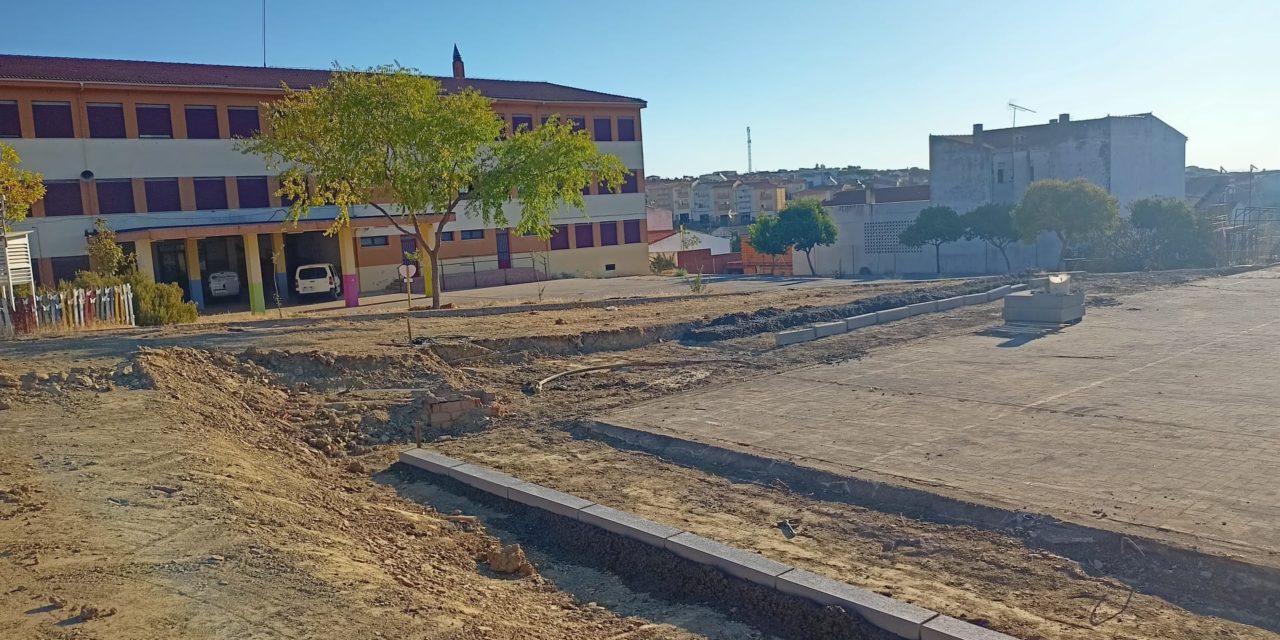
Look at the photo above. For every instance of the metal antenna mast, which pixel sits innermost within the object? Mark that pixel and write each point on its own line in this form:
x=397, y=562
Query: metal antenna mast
x=749, y=150
x=264, y=34
x=1015, y=109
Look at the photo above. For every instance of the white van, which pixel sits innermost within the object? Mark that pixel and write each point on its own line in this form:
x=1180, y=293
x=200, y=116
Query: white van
x=313, y=279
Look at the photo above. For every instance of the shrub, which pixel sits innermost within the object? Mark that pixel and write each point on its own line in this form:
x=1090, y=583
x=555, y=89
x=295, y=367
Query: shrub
x=160, y=303
x=661, y=262
x=680, y=273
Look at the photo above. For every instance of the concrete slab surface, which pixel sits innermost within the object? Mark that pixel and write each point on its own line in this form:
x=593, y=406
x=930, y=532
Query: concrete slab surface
x=948, y=628
x=736, y=562
x=824, y=329
x=921, y=308
x=627, y=524
x=429, y=461
x=858, y=322
x=484, y=479
x=889, y=315
x=899, y=618
x=782, y=338
x=1157, y=416
x=536, y=495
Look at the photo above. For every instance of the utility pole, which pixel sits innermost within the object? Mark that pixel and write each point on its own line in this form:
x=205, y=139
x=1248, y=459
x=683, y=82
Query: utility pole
x=264, y=34
x=749, y=170
x=1013, y=157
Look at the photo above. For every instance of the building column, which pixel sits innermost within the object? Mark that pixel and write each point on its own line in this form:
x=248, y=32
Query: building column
x=195, y=283
x=277, y=259
x=253, y=267
x=146, y=263
x=350, y=276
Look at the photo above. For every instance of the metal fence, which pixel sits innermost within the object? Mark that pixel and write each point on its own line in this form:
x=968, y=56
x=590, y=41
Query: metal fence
x=1249, y=235
x=474, y=274
x=68, y=309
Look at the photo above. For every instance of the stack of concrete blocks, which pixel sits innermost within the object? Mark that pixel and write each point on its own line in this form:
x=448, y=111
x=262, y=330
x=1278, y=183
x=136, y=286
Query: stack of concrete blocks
x=901, y=619
x=1043, y=304
x=453, y=408
x=824, y=329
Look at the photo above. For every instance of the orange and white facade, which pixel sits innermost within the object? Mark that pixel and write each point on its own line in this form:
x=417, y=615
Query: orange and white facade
x=149, y=147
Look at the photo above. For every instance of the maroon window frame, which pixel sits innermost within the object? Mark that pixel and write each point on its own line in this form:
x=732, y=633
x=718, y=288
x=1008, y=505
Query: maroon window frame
x=202, y=122
x=163, y=194
x=115, y=196
x=105, y=120
x=583, y=236
x=10, y=120
x=603, y=129
x=560, y=237
x=254, y=193
x=631, y=231
x=608, y=234
x=211, y=193
x=154, y=121
x=243, y=121
x=626, y=129
x=53, y=120
x=62, y=198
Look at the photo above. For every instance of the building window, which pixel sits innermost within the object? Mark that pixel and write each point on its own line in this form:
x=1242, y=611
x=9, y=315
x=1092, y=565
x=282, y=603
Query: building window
x=211, y=193
x=521, y=123
x=545, y=120
x=65, y=268
x=473, y=234
x=603, y=129
x=577, y=123
x=105, y=120
x=608, y=234
x=631, y=231
x=583, y=236
x=154, y=121
x=62, y=198
x=611, y=267
x=253, y=192
x=115, y=196
x=626, y=129
x=162, y=194
x=446, y=236
x=243, y=121
x=202, y=122
x=375, y=241
x=1000, y=175
x=53, y=119
x=10, y=124
x=560, y=237
x=631, y=183
x=408, y=247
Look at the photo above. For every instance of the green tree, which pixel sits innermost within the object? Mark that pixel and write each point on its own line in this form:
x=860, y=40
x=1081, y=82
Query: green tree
x=19, y=189
x=1072, y=211
x=1181, y=238
x=936, y=226
x=766, y=236
x=106, y=256
x=389, y=135
x=992, y=223
x=805, y=225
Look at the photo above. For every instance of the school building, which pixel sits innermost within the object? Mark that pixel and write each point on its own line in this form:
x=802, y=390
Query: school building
x=149, y=147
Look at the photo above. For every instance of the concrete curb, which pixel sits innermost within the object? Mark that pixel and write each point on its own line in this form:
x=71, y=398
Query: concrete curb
x=824, y=329
x=899, y=618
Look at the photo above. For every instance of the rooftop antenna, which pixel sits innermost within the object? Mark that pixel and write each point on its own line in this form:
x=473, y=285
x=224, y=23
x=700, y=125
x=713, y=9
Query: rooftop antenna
x=264, y=34
x=749, y=150
x=1014, y=109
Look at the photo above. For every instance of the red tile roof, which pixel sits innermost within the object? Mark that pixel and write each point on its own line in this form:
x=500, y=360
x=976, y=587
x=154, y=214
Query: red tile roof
x=215, y=75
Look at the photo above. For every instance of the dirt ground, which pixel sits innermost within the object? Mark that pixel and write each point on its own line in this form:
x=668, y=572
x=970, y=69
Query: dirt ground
x=224, y=491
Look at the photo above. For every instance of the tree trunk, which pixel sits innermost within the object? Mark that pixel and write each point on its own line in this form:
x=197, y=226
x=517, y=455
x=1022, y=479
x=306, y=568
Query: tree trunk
x=808, y=257
x=1062, y=251
x=937, y=258
x=1008, y=268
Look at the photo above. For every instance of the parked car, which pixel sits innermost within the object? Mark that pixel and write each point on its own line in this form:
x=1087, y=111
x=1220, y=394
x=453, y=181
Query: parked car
x=224, y=284
x=313, y=279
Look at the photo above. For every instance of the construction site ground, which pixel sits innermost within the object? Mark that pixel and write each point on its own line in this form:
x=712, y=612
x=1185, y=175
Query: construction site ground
x=229, y=480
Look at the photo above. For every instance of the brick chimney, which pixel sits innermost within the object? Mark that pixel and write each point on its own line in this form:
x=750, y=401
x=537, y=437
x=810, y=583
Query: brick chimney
x=977, y=129
x=1064, y=118
x=459, y=71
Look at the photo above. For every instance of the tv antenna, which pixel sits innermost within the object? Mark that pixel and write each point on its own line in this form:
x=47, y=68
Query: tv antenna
x=749, y=150
x=1014, y=109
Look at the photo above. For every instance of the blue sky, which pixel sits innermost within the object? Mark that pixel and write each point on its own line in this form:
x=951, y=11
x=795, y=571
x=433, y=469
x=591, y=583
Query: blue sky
x=825, y=82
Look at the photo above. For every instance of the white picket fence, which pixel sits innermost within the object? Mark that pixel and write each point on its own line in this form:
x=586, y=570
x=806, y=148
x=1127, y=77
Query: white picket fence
x=67, y=310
